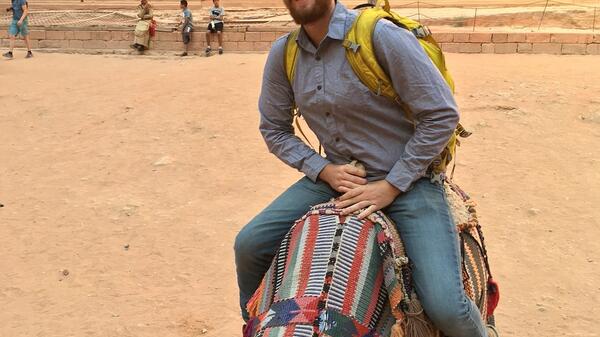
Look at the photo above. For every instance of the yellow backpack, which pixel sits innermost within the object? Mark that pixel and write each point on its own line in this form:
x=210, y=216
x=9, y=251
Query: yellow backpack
x=361, y=56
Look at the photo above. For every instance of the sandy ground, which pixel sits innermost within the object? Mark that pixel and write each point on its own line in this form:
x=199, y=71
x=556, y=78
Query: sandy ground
x=125, y=180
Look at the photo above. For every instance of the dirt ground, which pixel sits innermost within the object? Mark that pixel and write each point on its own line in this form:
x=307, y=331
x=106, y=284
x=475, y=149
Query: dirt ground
x=125, y=180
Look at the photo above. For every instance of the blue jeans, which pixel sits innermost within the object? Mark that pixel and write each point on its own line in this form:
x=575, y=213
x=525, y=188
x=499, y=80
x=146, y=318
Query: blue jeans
x=425, y=224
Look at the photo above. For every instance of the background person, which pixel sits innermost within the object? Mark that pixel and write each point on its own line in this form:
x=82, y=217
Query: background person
x=141, y=40
x=186, y=23
x=19, y=25
x=215, y=26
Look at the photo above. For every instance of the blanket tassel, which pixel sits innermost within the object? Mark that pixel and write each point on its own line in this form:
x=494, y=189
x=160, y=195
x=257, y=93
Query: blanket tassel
x=415, y=323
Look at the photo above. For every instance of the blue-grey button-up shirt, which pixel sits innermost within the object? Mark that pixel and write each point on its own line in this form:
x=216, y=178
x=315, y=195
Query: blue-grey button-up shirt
x=350, y=121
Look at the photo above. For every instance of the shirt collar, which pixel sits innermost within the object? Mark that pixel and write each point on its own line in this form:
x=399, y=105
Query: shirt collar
x=337, y=25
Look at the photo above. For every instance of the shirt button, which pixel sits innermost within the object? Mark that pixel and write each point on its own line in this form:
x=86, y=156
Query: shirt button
x=318, y=58
x=327, y=114
x=319, y=87
x=337, y=139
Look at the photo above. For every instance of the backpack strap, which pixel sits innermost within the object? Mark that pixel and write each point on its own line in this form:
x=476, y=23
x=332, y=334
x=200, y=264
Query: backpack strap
x=360, y=53
x=360, y=50
x=289, y=62
x=290, y=55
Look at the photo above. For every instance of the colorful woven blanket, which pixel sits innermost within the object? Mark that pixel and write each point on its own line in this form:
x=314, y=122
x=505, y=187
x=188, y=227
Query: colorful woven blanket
x=344, y=277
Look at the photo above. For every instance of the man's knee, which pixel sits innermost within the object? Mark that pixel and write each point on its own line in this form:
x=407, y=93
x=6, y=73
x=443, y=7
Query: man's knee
x=250, y=246
x=452, y=316
x=244, y=244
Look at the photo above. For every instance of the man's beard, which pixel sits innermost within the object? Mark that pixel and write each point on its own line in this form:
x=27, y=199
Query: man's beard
x=308, y=15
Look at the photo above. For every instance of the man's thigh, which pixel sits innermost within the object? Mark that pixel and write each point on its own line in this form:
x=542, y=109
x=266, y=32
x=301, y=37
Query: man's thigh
x=24, y=31
x=13, y=29
x=425, y=224
x=264, y=233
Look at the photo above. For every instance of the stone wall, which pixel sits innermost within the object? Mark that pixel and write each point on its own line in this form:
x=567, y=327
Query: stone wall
x=522, y=43
x=259, y=39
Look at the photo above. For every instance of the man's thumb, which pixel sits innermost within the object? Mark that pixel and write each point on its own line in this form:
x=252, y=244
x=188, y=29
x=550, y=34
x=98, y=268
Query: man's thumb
x=357, y=169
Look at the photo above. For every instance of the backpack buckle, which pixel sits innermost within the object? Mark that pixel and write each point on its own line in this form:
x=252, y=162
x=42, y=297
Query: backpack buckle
x=351, y=45
x=462, y=132
x=421, y=32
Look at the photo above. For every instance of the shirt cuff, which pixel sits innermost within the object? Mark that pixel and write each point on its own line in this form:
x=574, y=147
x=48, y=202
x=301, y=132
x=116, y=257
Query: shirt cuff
x=313, y=166
x=401, y=177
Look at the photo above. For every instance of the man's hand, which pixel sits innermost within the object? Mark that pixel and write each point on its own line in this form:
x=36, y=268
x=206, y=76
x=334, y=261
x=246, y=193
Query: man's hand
x=19, y=23
x=343, y=178
x=373, y=197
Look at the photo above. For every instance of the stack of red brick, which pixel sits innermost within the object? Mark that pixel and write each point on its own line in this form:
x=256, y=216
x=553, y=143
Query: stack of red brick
x=259, y=39
x=523, y=43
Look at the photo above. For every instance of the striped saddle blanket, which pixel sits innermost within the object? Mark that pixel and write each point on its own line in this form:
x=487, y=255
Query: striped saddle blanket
x=339, y=276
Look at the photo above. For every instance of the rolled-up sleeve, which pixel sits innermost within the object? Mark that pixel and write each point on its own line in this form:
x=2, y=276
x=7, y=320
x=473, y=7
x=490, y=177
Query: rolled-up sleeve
x=424, y=91
x=276, y=118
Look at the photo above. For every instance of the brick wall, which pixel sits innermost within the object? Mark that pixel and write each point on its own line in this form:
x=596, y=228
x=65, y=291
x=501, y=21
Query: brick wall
x=259, y=39
x=522, y=43
x=235, y=39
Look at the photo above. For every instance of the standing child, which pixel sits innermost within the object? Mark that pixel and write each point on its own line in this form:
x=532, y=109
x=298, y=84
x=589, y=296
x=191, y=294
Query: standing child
x=215, y=26
x=18, y=26
x=187, y=24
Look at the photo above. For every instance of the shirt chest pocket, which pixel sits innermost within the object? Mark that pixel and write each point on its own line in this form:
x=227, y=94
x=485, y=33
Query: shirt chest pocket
x=349, y=91
x=306, y=100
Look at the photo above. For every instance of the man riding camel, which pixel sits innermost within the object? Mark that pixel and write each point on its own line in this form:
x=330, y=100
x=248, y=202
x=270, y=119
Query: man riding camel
x=397, y=143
